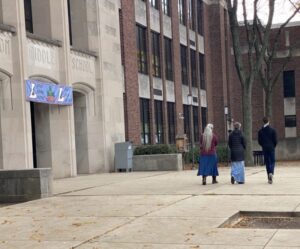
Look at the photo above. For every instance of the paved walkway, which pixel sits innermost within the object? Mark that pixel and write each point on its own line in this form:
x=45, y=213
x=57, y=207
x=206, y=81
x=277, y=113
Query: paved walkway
x=169, y=210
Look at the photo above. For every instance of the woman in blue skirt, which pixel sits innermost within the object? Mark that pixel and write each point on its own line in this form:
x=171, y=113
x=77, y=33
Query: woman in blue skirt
x=208, y=164
x=237, y=145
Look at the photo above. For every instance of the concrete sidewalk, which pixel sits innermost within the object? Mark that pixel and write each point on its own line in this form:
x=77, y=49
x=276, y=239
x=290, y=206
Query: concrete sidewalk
x=153, y=210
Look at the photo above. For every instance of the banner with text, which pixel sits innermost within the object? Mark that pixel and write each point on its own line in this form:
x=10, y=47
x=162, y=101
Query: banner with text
x=48, y=93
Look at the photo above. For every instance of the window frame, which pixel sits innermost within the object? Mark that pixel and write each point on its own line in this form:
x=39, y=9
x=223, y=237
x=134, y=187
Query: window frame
x=142, y=50
x=171, y=122
x=156, y=61
x=289, y=89
x=145, y=121
x=168, y=59
x=159, y=121
x=183, y=61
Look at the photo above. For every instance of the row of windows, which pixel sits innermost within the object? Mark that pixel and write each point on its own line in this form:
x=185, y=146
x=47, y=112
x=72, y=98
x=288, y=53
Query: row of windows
x=193, y=14
x=158, y=113
x=164, y=3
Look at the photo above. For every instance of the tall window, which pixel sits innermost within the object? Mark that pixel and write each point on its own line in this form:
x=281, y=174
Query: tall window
x=159, y=122
x=166, y=7
x=196, y=124
x=183, y=58
x=290, y=121
x=145, y=121
x=181, y=10
x=154, y=3
x=193, y=68
x=156, y=68
x=168, y=59
x=289, y=83
x=28, y=16
x=203, y=117
x=200, y=16
x=171, y=122
x=202, y=71
x=70, y=22
x=141, y=49
x=186, y=115
x=191, y=14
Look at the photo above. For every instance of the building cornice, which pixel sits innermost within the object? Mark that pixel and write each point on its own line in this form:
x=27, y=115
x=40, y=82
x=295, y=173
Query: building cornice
x=44, y=39
x=8, y=28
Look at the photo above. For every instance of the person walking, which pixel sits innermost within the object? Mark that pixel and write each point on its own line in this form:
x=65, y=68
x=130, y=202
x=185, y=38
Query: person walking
x=267, y=139
x=237, y=145
x=208, y=164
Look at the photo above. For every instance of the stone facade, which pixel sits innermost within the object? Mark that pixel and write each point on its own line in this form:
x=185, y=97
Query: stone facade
x=69, y=139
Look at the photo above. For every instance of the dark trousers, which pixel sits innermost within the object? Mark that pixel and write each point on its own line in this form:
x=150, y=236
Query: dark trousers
x=269, y=157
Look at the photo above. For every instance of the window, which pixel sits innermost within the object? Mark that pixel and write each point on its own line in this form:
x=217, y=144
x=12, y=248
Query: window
x=193, y=68
x=181, y=10
x=191, y=14
x=202, y=71
x=141, y=49
x=203, y=117
x=200, y=16
x=159, y=136
x=171, y=122
x=166, y=7
x=28, y=16
x=154, y=3
x=70, y=22
x=156, y=69
x=183, y=57
x=290, y=121
x=289, y=84
x=186, y=115
x=168, y=59
x=196, y=124
x=145, y=121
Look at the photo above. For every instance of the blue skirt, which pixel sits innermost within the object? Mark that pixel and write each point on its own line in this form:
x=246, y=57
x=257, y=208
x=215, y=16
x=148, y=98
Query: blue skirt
x=208, y=166
x=238, y=171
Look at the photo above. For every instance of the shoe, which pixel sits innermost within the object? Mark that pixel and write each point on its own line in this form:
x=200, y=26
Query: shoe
x=270, y=178
x=214, y=180
x=232, y=180
x=204, y=180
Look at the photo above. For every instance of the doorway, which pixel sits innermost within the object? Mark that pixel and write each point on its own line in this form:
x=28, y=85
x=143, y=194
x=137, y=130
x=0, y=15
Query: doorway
x=81, y=130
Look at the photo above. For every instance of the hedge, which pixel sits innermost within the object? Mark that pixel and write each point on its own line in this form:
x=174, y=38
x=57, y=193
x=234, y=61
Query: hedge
x=155, y=149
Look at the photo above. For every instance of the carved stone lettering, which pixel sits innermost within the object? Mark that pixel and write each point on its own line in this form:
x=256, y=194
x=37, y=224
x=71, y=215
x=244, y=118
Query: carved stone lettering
x=42, y=55
x=81, y=65
x=4, y=46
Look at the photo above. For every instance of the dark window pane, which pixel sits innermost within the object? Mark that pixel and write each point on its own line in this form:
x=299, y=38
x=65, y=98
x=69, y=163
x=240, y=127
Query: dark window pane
x=141, y=49
x=193, y=68
x=159, y=121
x=186, y=115
x=183, y=55
x=168, y=59
x=28, y=16
x=156, y=68
x=191, y=14
x=181, y=10
x=202, y=71
x=289, y=83
x=154, y=3
x=290, y=121
x=196, y=124
x=171, y=122
x=166, y=7
x=203, y=117
x=200, y=16
x=145, y=121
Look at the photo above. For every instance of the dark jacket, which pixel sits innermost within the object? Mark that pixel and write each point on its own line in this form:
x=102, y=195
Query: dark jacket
x=267, y=138
x=237, y=145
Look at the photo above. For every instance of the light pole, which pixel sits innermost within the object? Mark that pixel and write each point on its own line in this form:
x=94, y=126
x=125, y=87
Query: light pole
x=190, y=103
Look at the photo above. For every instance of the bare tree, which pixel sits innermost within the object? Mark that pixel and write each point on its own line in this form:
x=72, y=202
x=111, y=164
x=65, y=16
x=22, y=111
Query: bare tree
x=267, y=75
x=255, y=51
x=248, y=69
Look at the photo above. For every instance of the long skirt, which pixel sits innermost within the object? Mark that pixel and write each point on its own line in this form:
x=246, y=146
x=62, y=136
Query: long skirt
x=238, y=171
x=208, y=166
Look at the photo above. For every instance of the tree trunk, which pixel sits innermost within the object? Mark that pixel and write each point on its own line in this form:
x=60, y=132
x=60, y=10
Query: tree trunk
x=247, y=120
x=268, y=103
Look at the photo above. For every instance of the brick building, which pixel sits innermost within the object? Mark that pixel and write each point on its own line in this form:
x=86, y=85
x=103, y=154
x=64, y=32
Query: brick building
x=182, y=51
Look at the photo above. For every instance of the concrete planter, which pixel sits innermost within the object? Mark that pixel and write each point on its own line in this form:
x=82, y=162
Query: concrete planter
x=157, y=162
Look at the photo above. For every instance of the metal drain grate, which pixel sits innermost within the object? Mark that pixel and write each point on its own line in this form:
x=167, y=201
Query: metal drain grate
x=263, y=220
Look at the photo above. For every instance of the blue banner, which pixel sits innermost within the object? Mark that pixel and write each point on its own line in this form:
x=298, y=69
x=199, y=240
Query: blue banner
x=49, y=93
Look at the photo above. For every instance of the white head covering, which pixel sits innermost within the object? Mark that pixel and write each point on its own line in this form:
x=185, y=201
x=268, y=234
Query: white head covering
x=207, y=137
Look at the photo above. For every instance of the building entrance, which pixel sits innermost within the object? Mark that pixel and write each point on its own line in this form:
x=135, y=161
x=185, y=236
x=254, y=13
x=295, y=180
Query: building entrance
x=81, y=129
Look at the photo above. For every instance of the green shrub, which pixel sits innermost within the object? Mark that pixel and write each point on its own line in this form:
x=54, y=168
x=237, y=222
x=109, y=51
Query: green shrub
x=223, y=153
x=188, y=156
x=154, y=149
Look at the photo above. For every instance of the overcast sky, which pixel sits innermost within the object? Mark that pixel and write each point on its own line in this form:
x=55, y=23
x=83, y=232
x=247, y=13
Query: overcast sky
x=283, y=10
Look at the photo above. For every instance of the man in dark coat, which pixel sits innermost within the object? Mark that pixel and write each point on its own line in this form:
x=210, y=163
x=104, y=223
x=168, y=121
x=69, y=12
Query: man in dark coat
x=267, y=139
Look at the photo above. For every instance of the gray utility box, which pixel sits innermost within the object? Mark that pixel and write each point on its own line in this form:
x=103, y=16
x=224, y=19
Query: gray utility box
x=123, y=156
